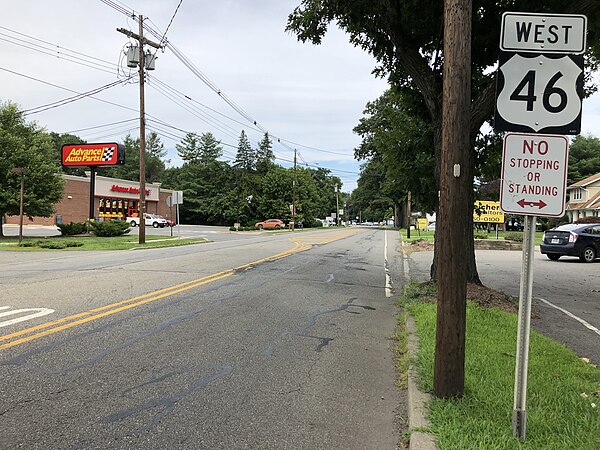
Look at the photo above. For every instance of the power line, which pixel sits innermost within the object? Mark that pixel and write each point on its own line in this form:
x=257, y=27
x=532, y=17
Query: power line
x=68, y=100
x=64, y=88
x=99, y=126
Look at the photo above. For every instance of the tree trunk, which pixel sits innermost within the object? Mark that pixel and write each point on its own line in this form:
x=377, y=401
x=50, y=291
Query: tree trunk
x=454, y=225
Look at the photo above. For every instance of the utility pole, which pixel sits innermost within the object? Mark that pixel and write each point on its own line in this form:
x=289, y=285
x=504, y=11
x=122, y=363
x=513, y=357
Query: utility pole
x=455, y=195
x=408, y=214
x=21, y=171
x=337, y=205
x=294, y=195
x=142, y=67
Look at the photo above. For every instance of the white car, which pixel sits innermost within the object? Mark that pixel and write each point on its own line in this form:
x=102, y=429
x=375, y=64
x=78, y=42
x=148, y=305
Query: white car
x=151, y=220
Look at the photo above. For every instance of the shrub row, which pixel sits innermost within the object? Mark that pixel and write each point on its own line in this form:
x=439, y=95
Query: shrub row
x=101, y=229
x=55, y=245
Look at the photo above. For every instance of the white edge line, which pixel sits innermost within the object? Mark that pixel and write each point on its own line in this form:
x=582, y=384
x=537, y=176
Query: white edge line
x=388, y=278
x=573, y=316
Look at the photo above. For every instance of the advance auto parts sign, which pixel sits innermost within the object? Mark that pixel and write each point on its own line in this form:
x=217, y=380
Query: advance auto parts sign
x=93, y=155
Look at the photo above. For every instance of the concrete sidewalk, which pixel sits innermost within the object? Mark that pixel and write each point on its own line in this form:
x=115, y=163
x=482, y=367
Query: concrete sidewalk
x=30, y=230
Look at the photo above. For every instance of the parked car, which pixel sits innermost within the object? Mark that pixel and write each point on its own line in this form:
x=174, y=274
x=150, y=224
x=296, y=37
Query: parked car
x=150, y=220
x=270, y=224
x=581, y=240
x=169, y=222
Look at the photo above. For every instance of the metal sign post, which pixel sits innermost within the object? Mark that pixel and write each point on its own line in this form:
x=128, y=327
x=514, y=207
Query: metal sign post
x=540, y=88
x=526, y=288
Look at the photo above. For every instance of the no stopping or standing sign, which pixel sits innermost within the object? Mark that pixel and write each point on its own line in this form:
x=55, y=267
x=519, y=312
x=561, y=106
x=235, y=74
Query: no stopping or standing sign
x=534, y=174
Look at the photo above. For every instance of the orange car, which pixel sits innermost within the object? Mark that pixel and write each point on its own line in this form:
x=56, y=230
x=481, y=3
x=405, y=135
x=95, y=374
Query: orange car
x=270, y=223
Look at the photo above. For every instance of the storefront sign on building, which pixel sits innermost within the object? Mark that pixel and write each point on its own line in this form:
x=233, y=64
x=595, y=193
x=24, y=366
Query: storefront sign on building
x=487, y=211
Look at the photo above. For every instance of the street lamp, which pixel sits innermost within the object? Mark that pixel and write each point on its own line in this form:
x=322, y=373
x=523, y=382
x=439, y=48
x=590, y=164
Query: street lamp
x=22, y=171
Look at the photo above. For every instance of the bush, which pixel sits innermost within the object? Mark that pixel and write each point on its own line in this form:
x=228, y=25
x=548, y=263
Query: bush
x=74, y=244
x=54, y=245
x=73, y=228
x=514, y=237
x=312, y=223
x=29, y=244
x=480, y=235
x=108, y=229
x=233, y=229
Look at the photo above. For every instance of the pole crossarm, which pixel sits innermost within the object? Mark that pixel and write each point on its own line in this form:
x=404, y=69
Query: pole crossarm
x=137, y=37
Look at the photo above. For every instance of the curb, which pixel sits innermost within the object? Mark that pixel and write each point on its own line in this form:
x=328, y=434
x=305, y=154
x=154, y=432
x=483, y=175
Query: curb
x=417, y=400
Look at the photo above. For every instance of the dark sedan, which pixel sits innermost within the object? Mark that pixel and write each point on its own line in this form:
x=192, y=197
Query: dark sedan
x=581, y=240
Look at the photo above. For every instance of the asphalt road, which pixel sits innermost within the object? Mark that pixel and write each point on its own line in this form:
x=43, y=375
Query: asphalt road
x=566, y=294
x=252, y=341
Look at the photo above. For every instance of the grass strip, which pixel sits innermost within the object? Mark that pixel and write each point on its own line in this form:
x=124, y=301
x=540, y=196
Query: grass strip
x=429, y=235
x=125, y=242
x=563, y=407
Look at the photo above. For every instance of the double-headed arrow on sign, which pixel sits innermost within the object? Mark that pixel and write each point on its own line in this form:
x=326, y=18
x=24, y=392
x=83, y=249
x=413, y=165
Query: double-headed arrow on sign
x=522, y=203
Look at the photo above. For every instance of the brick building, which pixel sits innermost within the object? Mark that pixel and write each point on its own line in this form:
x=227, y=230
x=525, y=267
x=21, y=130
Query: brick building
x=114, y=199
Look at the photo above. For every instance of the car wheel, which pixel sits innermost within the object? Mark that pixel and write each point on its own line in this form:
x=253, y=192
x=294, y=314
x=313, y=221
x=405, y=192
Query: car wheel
x=155, y=224
x=277, y=227
x=260, y=227
x=553, y=256
x=133, y=224
x=588, y=255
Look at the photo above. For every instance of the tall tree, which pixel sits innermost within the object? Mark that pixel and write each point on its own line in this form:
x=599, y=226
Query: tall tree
x=25, y=145
x=406, y=39
x=396, y=131
x=210, y=148
x=245, y=157
x=155, y=154
x=155, y=165
x=189, y=148
x=264, y=155
x=203, y=149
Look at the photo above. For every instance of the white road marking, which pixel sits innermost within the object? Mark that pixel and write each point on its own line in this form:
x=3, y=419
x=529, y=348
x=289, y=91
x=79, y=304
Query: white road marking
x=39, y=313
x=572, y=316
x=388, y=278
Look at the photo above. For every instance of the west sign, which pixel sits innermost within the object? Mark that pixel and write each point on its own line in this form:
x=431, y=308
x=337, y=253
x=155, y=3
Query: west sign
x=93, y=155
x=543, y=33
x=534, y=174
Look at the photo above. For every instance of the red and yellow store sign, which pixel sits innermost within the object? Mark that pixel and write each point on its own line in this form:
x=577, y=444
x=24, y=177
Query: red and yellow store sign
x=93, y=154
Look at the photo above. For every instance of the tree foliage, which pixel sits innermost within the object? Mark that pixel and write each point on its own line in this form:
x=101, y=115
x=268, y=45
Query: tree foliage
x=584, y=158
x=155, y=164
x=25, y=145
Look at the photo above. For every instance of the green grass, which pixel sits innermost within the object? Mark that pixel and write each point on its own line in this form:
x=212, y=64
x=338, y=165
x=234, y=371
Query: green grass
x=558, y=417
x=125, y=242
x=429, y=235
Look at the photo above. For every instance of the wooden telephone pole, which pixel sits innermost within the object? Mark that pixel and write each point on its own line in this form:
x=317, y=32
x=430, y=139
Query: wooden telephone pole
x=142, y=66
x=455, y=184
x=294, y=195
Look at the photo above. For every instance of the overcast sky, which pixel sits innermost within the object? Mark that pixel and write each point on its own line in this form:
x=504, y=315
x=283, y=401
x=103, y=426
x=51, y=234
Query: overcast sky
x=311, y=96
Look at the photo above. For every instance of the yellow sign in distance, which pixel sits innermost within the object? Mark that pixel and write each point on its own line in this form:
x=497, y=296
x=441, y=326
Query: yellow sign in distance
x=487, y=211
x=422, y=224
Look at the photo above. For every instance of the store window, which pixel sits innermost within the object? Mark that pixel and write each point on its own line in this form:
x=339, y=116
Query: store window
x=116, y=208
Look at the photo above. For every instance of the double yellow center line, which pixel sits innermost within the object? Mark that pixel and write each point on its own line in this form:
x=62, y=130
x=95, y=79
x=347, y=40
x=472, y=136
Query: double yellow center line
x=45, y=329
